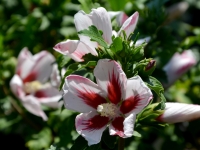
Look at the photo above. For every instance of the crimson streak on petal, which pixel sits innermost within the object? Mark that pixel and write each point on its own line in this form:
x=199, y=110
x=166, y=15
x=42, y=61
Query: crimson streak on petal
x=90, y=98
x=114, y=89
x=118, y=125
x=30, y=77
x=130, y=103
x=95, y=123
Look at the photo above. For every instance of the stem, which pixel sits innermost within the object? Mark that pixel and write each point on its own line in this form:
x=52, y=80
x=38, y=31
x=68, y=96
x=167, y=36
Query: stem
x=121, y=142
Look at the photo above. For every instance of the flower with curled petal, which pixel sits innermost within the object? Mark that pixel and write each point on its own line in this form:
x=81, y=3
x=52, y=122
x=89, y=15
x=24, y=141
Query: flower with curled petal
x=100, y=18
x=30, y=83
x=179, y=112
x=114, y=101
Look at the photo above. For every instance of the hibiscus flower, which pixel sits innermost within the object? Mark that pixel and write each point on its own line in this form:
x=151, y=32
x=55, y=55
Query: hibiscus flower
x=179, y=112
x=100, y=18
x=30, y=83
x=114, y=101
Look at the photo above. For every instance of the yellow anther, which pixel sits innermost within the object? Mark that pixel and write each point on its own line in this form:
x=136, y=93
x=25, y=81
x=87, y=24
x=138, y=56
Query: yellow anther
x=32, y=87
x=107, y=110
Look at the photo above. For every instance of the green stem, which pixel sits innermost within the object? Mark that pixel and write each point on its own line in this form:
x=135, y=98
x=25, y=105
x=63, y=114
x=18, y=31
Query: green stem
x=121, y=142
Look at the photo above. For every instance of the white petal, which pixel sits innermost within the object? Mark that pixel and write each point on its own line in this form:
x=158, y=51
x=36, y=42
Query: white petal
x=81, y=94
x=40, y=67
x=178, y=65
x=55, y=78
x=179, y=112
x=100, y=18
x=49, y=96
x=129, y=25
x=137, y=96
x=82, y=21
x=25, y=67
x=24, y=54
x=32, y=104
x=66, y=47
x=121, y=17
x=43, y=65
x=129, y=125
x=16, y=86
x=141, y=41
x=74, y=49
x=94, y=132
x=111, y=78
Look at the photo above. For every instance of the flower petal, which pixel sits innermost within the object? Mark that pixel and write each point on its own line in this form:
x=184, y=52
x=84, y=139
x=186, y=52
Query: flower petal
x=55, y=78
x=24, y=54
x=49, y=96
x=123, y=127
x=33, y=106
x=81, y=94
x=137, y=96
x=82, y=21
x=130, y=24
x=42, y=67
x=74, y=49
x=141, y=41
x=101, y=19
x=111, y=78
x=91, y=126
x=16, y=86
x=179, y=112
x=117, y=127
x=178, y=65
x=121, y=17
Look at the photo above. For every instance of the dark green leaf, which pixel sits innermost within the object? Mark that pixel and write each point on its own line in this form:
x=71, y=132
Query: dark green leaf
x=79, y=144
x=157, y=87
x=63, y=60
x=94, y=147
x=110, y=141
x=91, y=64
x=95, y=35
x=117, y=44
x=71, y=68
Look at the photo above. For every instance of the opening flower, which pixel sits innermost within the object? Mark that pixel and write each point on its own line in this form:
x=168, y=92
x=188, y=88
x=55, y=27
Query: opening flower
x=100, y=18
x=179, y=112
x=114, y=101
x=30, y=83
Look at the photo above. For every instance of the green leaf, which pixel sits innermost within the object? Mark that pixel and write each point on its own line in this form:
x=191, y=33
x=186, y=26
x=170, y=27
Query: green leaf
x=110, y=141
x=79, y=144
x=95, y=35
x=41, y=140
x=137, y=134
x=157, y=87
x=52, y=147
x=63, y=60
x=91, y=64
x=71, y=68
x=117, y=44
x=94, y=147
x=87, y=5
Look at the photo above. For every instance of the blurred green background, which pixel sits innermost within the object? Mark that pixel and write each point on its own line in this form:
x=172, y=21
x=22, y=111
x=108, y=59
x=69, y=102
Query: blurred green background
x=40, y=24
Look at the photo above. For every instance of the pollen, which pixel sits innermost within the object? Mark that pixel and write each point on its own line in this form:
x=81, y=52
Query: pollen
x=107, y=110
x=32, y=87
